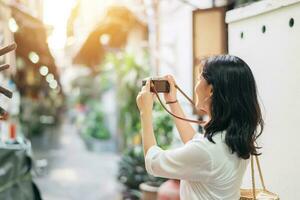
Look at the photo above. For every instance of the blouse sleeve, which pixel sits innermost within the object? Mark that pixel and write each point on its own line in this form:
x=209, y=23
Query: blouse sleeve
x=190, y=162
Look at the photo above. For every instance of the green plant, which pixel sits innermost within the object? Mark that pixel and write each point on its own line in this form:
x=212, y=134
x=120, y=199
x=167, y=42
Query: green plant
x=132, y=170
x=94, y=125
x=128, y=77
x=87, y=93
x=37, y=115
x=162, y=126
x=89, y=87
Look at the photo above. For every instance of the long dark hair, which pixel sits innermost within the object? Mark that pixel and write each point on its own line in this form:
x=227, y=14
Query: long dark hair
x=234, y=104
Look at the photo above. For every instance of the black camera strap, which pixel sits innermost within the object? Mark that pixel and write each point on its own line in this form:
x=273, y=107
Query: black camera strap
x=190, y=100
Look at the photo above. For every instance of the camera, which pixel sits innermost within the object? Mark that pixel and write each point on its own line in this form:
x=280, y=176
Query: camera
x=161, y=85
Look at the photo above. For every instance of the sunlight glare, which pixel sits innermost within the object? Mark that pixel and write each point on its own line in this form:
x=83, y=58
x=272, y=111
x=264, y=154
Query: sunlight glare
x=56, y=14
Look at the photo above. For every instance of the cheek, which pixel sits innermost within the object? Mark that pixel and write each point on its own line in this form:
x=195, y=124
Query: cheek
x=198, y=93
x=196, y=90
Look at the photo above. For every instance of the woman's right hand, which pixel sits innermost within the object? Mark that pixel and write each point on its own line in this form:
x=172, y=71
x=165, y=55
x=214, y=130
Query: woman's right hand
x=172, y=95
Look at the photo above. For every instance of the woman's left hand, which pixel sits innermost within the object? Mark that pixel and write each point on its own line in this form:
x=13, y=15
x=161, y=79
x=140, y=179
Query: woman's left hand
x=145, y=99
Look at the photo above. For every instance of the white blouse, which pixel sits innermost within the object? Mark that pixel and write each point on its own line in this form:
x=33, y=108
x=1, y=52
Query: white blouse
x=207, y=171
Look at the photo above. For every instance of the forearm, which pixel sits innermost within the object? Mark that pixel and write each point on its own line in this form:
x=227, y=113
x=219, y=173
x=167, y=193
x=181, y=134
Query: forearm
x=148, y=137
x=184, y=128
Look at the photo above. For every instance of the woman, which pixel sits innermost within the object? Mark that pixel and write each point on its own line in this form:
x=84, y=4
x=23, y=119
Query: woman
x=210, y=166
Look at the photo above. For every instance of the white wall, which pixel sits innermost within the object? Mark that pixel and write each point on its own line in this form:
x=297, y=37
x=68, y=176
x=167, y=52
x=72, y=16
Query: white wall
x=274, y=60
x=176, y=46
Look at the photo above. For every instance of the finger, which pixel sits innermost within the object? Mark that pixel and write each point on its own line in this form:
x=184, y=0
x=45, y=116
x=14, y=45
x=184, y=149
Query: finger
x=138, y=99
x=146, y=88
x=171, y=81
x=167, y=77
x=141, y=96
x=143, y=88
x=154, y=96
x=171, y=78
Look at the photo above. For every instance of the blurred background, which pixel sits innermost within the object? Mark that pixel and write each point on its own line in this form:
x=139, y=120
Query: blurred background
x=73, y=126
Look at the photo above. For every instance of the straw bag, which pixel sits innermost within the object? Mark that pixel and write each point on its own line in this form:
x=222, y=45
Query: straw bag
x=257, y=194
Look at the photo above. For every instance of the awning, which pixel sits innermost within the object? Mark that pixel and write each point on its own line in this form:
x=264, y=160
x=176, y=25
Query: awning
x=116, y=24
x=31, y=37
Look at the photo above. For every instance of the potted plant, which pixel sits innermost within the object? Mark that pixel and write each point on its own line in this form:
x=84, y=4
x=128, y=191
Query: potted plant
x=94, y=130
x=132, y=172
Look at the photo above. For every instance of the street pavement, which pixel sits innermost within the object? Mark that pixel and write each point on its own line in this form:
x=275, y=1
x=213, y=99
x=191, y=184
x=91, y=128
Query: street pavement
x=68, y=171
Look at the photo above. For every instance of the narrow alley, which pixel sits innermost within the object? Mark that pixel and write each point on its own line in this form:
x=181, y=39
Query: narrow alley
x=73, y=172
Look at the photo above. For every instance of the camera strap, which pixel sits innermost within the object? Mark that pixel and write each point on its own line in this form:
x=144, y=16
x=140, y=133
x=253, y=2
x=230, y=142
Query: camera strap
x=178, y=117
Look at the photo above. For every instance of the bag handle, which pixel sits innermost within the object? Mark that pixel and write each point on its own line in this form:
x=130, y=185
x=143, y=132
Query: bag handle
x=253, y=176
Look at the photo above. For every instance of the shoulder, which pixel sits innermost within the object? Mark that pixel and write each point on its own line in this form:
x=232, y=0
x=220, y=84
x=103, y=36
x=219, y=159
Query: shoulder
x=218, y=138
x=199, y=141
x=197, y=148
